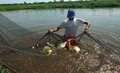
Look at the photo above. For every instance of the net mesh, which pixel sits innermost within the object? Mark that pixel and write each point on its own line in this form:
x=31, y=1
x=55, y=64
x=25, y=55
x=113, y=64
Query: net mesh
x=16, y=51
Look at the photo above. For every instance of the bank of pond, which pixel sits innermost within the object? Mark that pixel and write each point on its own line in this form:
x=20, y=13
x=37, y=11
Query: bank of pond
x=51, y=5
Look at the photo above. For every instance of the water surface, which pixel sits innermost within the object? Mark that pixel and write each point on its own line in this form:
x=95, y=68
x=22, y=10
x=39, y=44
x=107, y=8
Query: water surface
x=104, y=21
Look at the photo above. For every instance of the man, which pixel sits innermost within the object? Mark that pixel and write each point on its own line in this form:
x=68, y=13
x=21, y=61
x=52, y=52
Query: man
x=71, y=25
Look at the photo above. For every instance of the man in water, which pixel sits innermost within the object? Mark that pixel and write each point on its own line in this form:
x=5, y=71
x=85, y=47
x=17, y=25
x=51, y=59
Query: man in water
x=71, y=25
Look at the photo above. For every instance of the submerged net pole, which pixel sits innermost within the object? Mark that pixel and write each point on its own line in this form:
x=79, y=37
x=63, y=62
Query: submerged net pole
x=80, y=36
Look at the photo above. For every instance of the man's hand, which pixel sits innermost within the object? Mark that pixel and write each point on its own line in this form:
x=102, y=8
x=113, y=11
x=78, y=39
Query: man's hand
x=87, y=31
x=50, y=30
x=87, y=28
x=87, y=24
x=54, y=30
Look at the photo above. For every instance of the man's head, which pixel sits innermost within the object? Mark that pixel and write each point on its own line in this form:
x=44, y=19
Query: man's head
x=71, y=14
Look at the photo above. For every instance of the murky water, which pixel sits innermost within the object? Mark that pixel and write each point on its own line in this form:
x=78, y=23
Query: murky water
x=104, y=21
x=93, y=57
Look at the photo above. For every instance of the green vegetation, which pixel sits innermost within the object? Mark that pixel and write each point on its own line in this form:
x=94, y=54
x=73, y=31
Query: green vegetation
x=3, y=70
x=61, y=4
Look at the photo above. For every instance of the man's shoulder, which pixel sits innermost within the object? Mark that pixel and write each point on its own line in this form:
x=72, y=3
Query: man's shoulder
x=78, y=19
x=65, y=21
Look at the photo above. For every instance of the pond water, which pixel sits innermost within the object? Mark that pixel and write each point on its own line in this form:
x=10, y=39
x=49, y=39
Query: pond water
x=92, y=58
x=104, y=21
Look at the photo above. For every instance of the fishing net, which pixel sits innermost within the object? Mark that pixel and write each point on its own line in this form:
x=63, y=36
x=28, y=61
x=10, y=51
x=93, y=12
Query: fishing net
x=16, y=52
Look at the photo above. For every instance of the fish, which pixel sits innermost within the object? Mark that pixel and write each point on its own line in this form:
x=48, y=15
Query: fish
x=62, y=45
x=48, y=50
x=33, y=47
x=76, y=49
x=73, y=47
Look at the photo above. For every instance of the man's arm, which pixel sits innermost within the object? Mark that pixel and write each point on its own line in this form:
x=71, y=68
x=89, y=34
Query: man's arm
x=54, y=29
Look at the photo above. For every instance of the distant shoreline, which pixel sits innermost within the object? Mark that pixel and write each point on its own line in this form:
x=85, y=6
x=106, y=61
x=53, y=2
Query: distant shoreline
x=52, y=5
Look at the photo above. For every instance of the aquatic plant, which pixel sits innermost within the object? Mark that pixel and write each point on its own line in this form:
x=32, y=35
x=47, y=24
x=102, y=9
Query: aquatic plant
x=3, y=70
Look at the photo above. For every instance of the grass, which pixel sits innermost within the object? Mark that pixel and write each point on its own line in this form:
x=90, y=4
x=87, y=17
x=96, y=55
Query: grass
x=51, y=5
x=3, y=70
